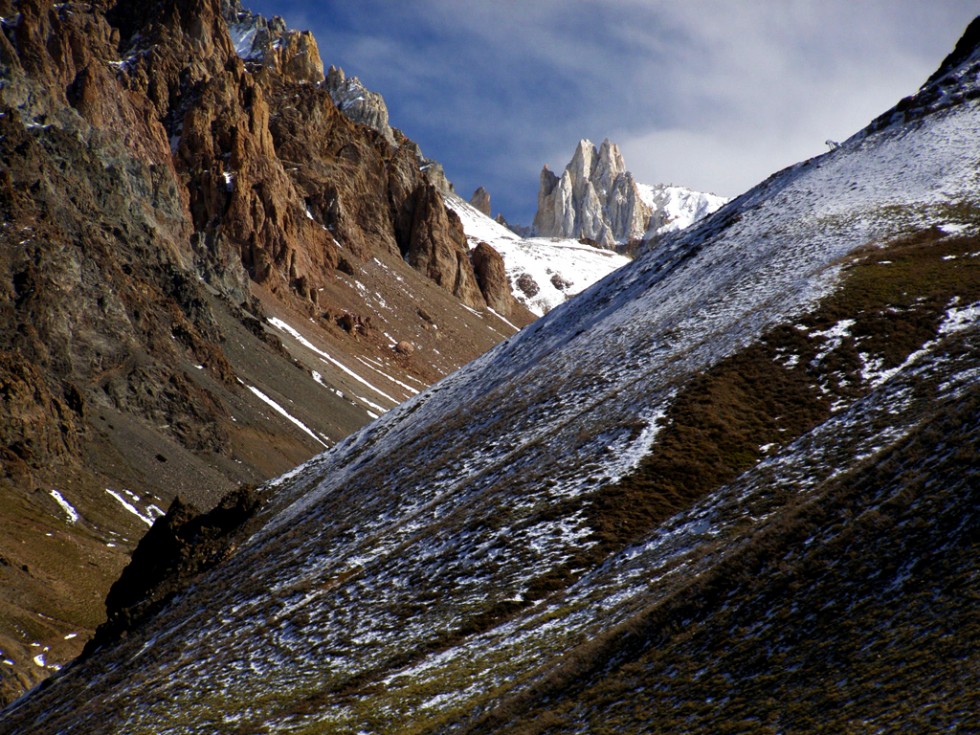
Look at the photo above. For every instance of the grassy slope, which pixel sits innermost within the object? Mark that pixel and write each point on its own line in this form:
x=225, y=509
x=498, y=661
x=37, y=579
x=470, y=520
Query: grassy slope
x=854, y=611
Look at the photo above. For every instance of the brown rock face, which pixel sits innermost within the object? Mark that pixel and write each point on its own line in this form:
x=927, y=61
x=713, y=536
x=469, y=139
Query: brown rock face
x=488, y=265
x=268, y=44
x=437, y=247
x=481, y=200
x=162, y=195
x=37, y=427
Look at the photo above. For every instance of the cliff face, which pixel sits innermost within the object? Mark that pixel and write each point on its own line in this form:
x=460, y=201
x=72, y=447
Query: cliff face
x=595, y=198
x=179, y=191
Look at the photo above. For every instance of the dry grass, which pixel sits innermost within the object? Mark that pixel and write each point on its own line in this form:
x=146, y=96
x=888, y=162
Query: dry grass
x=719, y=422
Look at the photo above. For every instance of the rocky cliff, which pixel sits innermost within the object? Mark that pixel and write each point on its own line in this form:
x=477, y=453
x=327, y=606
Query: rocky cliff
x=359, y=103
x=597, y=199
x=481, y=201
x=204, y=269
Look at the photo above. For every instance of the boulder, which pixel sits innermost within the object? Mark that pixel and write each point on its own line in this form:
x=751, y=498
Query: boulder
x=488, y=265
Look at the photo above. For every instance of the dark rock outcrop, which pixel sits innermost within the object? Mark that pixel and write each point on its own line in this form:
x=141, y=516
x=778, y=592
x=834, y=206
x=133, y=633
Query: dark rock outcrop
x=492, y=277
x=178, y=547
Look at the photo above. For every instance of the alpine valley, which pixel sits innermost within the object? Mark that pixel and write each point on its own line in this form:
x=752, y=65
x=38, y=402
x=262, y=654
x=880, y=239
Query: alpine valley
x=216, y=261
x=730, y=487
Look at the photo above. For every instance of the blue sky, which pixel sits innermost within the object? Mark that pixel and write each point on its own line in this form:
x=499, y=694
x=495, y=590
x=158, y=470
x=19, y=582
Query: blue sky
x=711, y=94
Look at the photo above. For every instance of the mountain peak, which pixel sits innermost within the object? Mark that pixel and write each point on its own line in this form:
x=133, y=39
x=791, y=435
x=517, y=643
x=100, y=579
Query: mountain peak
x=358, y=102
x=596, y=198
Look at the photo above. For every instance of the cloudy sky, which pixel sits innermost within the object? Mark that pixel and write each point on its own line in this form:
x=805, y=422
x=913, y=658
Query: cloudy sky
x=711, y=94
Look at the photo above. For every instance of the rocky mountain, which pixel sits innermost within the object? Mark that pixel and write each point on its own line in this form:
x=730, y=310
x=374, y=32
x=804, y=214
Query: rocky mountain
x=729, y=488
x=539, y=272
x=208, y=273
x=597, y=199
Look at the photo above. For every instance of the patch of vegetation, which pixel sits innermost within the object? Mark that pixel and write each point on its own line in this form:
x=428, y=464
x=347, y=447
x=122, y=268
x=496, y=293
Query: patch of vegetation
x=726, y=419
x=853, y=611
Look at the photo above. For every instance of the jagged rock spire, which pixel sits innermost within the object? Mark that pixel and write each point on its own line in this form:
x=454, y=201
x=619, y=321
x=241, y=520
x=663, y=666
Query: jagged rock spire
x=481, y=200
x=358, y=103
x=595, y=198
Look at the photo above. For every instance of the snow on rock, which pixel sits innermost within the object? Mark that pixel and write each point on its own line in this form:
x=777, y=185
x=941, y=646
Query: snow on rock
x=543, y=271
x=329, y=360
x=283, y=412
x=147, y=515
x=676, y=208
x=243, y=39
x=69, y=509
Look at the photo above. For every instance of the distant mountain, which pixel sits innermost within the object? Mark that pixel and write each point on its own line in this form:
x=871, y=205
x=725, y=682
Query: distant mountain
x=208, y=274
x=673, y=208
x=732, y=487
x=597, y=199
x=542, y=272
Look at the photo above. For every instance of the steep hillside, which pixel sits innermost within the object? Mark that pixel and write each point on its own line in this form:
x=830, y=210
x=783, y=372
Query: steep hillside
x=205, y=272
x=729, y=488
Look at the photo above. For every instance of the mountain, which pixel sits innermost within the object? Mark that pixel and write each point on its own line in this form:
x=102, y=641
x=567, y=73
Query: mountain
x=729, y=488
x=208, y=274
x=541, y=272
x=597, y=199
x=673, y=208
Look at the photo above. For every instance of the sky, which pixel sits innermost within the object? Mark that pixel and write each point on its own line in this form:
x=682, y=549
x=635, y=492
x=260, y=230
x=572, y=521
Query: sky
x=715, y=95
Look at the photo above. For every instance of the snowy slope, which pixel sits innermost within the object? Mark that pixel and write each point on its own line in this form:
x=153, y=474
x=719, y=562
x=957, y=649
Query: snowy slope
x=543, y=271
x=676, y=207
x=361, y=604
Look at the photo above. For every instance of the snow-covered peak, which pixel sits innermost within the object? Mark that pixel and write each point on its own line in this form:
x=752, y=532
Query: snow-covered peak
x=674, y=208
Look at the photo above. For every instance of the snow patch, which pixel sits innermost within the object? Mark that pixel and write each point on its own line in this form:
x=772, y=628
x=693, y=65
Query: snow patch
x=151, y=513
x=558, y=268
x=69, y=509
x=279, y=409
x=283, y=326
